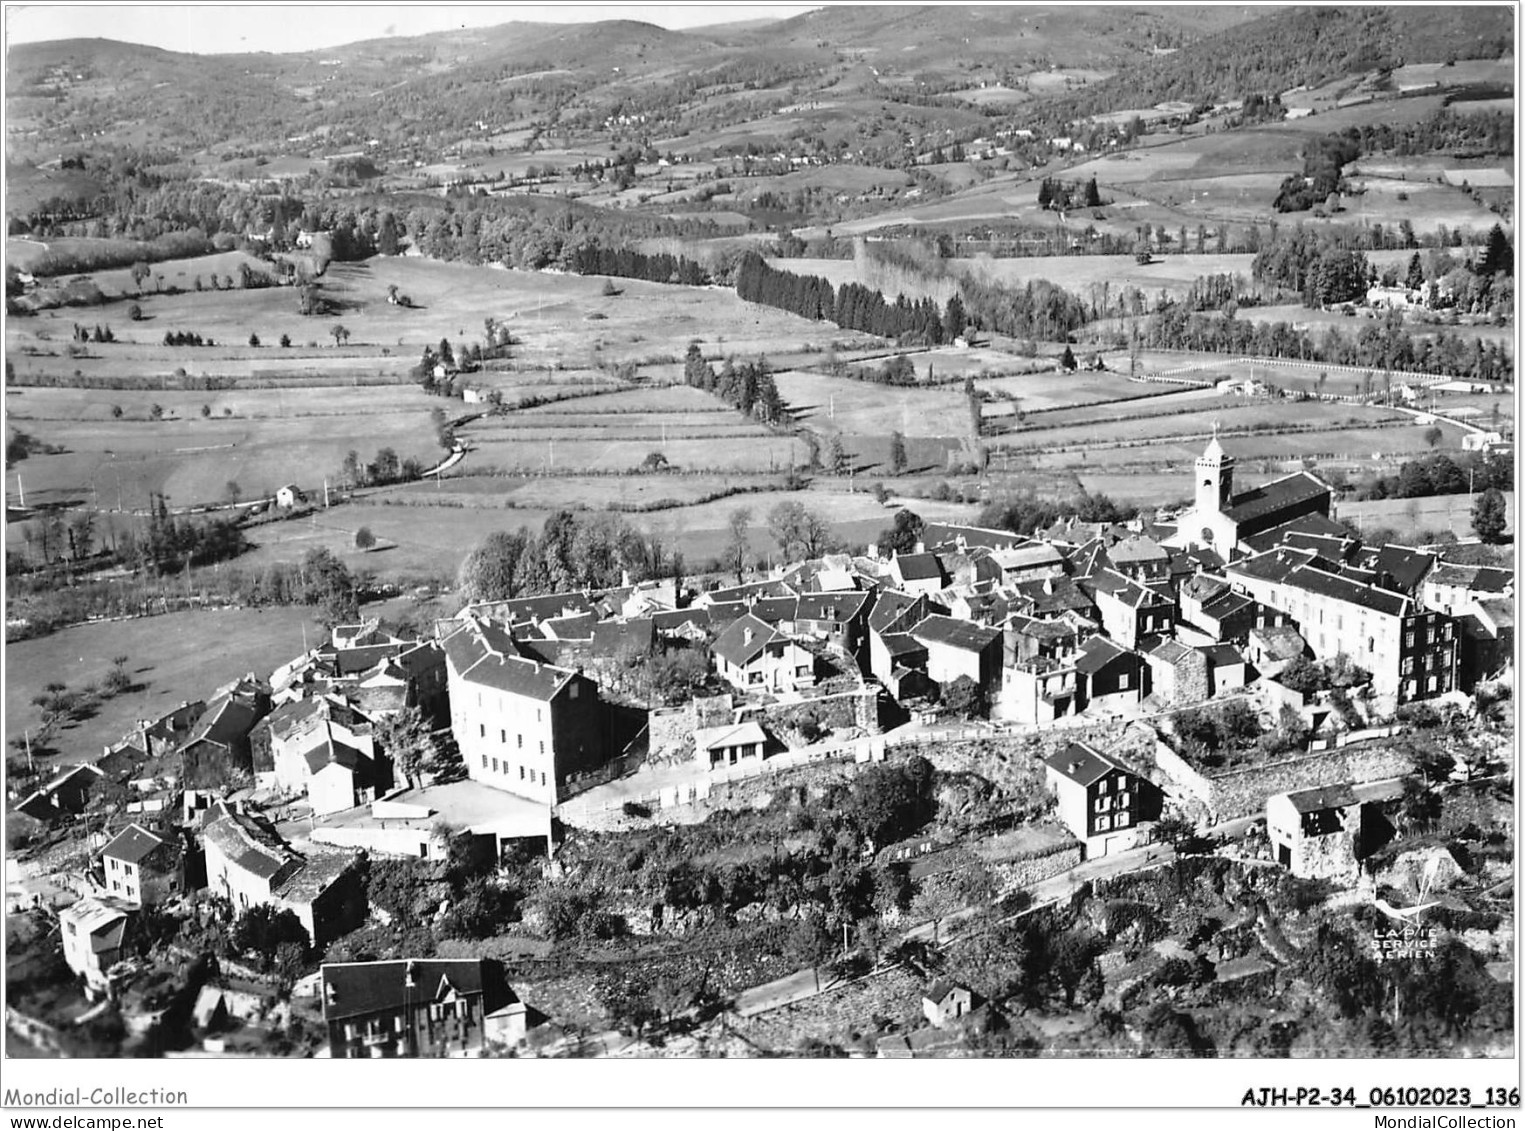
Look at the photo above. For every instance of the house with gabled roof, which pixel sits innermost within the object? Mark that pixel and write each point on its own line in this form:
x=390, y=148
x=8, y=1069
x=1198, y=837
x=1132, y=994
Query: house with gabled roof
x=752, y=655
x=522, y=726
x=917, y=574
x=1109, y=678
x=1316, y=833
x=1130, y=611
x=1177, y=674
x=1102, y=800
x=725, y=747
x=218, y=752
x=959, y=648
x=96, y=933
x=141, y=869
x=426, y=1007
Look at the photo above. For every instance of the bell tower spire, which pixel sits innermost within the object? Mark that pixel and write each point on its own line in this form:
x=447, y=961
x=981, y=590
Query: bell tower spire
x=1215, y=477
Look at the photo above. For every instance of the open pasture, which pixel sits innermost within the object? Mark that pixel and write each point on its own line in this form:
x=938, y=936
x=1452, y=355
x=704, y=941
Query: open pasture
x=118, y=463
x=1409, y=517
x=654, y=399
x=540, y=492
x=425, y=540
x=1232, y=415
x=171, y=658
x=1059, y=390
x=841, y=404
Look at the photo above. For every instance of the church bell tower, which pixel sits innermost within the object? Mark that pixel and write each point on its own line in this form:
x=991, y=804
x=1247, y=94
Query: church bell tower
x=1215, y=477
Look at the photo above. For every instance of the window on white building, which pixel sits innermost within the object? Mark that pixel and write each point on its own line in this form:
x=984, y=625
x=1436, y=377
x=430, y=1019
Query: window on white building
x=1103, y=824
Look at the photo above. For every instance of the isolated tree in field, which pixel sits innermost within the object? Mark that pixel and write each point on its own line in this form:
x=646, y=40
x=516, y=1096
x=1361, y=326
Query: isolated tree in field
x=837, y=456
x=285, y=341
x=340, y=333
x=1323, y=379
x=812, y=444
x=1143, y=255
x=1415, y=279
x=901, y=538
x=1067, y=362
x=1490, y=515
x=801, y=534
x=352, y=471
x=387, y=467
x=206, y=411
x=254, y=340
x=609, y=289
x=654, y=461
x=117, y=679
x=140, y=271
x=232, y=492
x=737, y=554
x=364, y=539
x=135, y=313
x=1498, y=255
x=897, y=453
x=116, y=412
x=1093, y=195
x=156, y=412
x=1433, y=436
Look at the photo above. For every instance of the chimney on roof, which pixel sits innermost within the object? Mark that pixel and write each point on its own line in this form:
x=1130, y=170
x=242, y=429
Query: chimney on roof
x=746, y=635
x=1074, y=767
x=410, y=975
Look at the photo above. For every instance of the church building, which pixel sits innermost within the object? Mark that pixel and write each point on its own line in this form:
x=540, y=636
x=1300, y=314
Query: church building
x=1225, y=522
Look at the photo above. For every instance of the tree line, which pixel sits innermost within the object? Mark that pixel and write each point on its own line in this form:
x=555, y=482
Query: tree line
x=748, y=387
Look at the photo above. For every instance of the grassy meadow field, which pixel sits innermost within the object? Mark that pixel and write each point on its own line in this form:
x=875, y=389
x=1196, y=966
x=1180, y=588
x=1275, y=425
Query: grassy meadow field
x=170, y=658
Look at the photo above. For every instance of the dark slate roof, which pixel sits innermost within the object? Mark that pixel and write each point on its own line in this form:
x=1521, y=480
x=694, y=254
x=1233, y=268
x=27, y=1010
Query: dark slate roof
x=473, y=658
x=1324, y=797
x=329, y=751
x=1204, y=588
x=1344, y=589
x=543, y=607
x=1226, y=605
x=353, y=661
x=132, y=844
x=1274, y=565
x=356, y=989
x=227, y=720
x=249, y=845
x=733, y=645
x=1315, y=529
x=902, y=644
x=837, y=608
x=1481, y=579
x=1221, y=655
x=773, y=610
x=675, y=619
x=1126, y=590
x=1170, y=651
x=1083, y=763
x=1096, y=653
x=1278, y=495
x=611, y=637
x=918, y=567
x=939, y=990
x=1050, y=598
x=890, y=606
x=725, y=612
x=964, y=635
